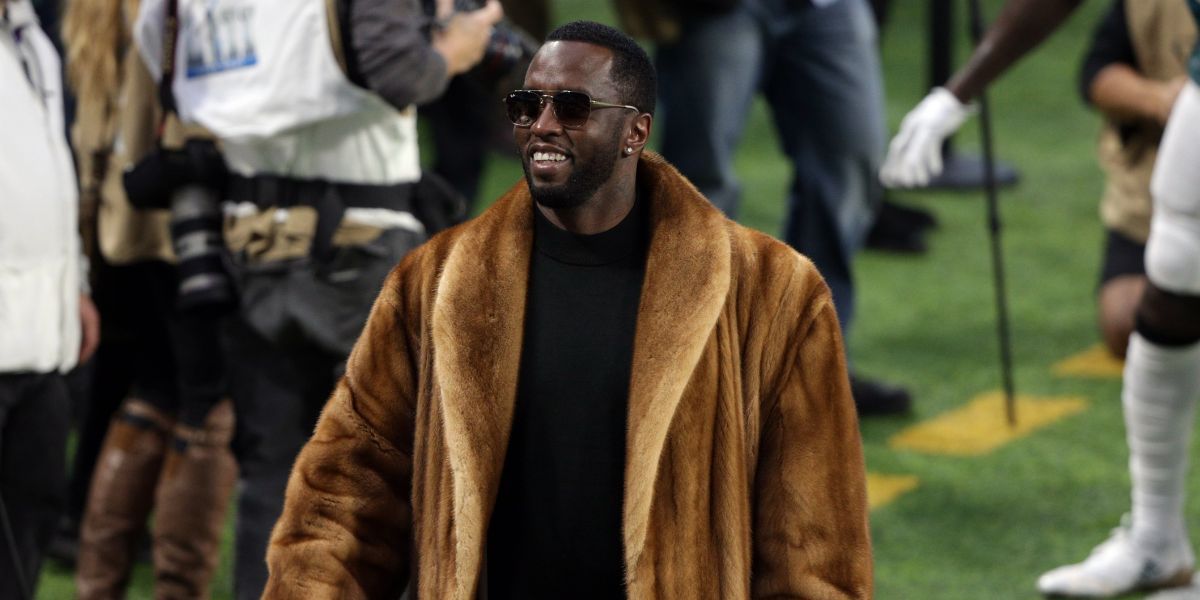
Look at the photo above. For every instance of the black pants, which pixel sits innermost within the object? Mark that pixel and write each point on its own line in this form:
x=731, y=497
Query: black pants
x=461, y=127
x=35, y=416
x=287, y=348
x=278, y=395
x=170, y=360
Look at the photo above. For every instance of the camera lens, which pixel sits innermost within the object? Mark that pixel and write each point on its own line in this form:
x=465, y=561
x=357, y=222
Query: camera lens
x=508, y=47
x=196, y=232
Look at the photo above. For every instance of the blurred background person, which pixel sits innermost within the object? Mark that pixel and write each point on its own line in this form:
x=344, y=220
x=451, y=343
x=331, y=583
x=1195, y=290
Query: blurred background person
x=1161, y=383
x=465, y=125
x=47, y=323
x=817, y=65
x=320, y=142
x=167, y=448
x=1133, y=71
x=1136, y=70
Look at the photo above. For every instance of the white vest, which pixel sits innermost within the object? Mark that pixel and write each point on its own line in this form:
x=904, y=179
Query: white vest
x=39, y=241
x=261, y=75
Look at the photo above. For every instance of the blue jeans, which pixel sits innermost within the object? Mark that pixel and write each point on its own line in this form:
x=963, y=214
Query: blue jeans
x=818, y=69
x=278, y=393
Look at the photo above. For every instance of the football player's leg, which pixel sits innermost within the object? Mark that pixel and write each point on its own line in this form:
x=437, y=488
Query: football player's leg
x=1162, y=381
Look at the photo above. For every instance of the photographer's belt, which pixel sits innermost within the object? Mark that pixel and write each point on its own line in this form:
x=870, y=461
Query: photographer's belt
x=331, y=201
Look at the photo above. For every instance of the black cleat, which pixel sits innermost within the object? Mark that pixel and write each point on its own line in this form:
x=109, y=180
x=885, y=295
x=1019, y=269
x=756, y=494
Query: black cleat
x=875, y=398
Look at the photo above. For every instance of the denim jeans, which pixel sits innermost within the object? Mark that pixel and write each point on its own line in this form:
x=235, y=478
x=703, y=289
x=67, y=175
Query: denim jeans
x=818, y=69
x=278, y=393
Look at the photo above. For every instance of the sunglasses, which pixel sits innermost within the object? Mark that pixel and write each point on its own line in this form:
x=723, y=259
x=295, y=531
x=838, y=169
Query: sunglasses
x=571, y=109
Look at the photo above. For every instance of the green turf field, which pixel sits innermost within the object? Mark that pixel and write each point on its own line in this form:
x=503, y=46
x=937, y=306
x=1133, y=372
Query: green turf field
x=980, y=526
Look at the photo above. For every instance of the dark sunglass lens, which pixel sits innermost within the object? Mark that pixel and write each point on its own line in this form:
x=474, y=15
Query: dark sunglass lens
x=522, y=108
x=572, y=108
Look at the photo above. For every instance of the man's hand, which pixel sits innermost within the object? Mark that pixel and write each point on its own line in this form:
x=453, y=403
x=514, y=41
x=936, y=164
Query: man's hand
x=915, y=154
x=89, y=322
x=464, y=37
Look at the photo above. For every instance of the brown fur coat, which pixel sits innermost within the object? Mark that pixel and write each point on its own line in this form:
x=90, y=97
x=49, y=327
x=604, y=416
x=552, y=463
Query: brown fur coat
x=744, y=468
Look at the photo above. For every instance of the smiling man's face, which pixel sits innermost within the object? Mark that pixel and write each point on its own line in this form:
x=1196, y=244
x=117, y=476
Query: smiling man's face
x=565, y=167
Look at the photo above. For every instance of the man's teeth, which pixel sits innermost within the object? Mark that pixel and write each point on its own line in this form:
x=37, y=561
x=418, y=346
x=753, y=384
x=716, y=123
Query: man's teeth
x=550, y=156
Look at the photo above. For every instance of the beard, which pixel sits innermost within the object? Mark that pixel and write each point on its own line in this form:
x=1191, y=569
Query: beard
x=582, y=183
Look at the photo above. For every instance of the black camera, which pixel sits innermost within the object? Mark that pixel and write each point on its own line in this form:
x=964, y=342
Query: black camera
x=189, y=182
x=509, y=48
x=149, y=183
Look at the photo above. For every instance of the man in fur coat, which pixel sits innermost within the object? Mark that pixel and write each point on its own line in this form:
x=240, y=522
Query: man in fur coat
x=600, y=388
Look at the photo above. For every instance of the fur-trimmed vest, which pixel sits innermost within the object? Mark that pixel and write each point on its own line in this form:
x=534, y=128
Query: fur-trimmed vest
x=744, y=468
x=1162, y=33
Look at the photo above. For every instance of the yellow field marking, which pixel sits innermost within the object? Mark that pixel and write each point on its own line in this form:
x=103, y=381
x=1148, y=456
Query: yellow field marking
x=980, y=427
x=882, y=489
x=1096, y=361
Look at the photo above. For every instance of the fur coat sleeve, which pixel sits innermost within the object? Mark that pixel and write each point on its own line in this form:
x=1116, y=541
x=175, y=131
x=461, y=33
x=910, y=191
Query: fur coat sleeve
x=810, y=524
x=349, y=491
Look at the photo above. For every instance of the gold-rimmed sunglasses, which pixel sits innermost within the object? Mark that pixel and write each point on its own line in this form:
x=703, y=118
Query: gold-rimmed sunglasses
x=571, y=108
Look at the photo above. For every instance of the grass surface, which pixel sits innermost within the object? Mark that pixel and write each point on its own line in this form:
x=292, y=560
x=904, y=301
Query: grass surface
x=981, y=527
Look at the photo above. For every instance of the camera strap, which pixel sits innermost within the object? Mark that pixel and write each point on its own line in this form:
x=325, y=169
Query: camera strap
x=166, y=97
x=329, y=199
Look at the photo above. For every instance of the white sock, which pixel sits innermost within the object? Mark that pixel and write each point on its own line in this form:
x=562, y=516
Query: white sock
x=1159, y=398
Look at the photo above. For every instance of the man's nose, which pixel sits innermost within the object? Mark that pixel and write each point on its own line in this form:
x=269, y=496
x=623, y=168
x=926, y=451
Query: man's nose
x=546, y=122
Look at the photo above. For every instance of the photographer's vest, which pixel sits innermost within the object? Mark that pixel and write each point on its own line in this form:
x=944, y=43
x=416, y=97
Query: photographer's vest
x=1163, y=34
x=264, y=77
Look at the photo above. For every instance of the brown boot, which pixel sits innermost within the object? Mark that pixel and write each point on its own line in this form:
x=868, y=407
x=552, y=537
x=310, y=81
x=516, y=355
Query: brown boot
x=193, y=494
x=119, y=499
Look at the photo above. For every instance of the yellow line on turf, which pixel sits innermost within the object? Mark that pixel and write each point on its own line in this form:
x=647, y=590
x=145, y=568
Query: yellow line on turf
x=882, y=489
x=1096, y=361
x=980, y=426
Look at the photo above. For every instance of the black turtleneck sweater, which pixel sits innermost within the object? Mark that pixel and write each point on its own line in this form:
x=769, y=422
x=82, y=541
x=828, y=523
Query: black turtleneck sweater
x=556, y=528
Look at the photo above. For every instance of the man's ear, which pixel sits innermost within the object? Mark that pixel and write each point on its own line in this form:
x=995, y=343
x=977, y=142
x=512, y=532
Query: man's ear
x=639, y=132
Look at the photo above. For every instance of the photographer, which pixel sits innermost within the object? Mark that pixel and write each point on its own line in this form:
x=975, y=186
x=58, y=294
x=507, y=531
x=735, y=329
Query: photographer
x=159, y=373
x=47, y=325
x=312, y=103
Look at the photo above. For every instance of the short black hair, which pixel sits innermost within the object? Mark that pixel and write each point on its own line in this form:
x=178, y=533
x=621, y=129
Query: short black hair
x=632, y=72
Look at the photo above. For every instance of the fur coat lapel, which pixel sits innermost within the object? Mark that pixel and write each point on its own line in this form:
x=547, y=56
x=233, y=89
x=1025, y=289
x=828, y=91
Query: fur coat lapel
x=477, y=327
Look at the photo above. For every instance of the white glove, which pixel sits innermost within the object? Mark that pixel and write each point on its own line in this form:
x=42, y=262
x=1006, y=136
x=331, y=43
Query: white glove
x=915, y=154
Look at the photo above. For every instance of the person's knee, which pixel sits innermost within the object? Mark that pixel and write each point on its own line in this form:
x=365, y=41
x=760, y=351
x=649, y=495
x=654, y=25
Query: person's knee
x=1118, y=304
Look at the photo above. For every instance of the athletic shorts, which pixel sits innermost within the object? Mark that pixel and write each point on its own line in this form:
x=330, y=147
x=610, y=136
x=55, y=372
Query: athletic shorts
x=1122, y=256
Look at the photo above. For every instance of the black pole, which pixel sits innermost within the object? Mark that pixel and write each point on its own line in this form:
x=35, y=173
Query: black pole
x=959, y=171
x=993, y=224
x=11, y=540
x=941, y=51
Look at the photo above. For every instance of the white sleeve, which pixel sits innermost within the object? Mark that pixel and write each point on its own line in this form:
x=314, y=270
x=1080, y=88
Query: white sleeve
x=148, y=33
